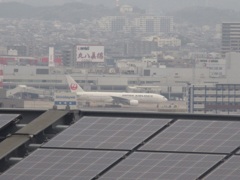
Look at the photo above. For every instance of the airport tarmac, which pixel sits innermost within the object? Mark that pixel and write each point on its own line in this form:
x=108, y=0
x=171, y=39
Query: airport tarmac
x=169, y=106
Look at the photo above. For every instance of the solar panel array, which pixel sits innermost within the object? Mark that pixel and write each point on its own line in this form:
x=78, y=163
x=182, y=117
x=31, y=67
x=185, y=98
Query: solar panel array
x=62, y=164
x=5, y=119
x=136, y=148
x=107, y=133
x=144, y=165
x=197, y=136
x=230, y=170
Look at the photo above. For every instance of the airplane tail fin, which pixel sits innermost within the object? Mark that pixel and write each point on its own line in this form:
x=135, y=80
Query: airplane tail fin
x=73, y=85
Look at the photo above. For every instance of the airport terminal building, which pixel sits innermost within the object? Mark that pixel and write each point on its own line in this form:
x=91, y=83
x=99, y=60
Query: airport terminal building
x=172, y=82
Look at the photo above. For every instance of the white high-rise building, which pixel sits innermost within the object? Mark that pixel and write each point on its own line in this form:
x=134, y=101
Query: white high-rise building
x=144, y=24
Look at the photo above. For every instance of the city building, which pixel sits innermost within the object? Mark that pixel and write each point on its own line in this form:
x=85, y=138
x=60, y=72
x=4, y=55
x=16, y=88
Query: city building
x=155, y=24
x=67, y=58
x=126, y=9
x=20, y=50
x=3, y=50
x=142, y=24
x=138, y=48
x=217, y=67
x=112, y=23
x=166, y=24
x=230, y=37
x=217, y=99
x=165, y=42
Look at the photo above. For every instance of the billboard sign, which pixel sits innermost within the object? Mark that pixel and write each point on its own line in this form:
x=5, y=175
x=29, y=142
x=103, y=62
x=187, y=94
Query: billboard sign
x=62, y=100
x=91, y=53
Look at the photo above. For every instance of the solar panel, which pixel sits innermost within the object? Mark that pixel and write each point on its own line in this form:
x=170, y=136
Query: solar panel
x=62, y=164
x=228, y=170
x=107, y=133
x=197, y=136
x=5, y=119
x=147, y=166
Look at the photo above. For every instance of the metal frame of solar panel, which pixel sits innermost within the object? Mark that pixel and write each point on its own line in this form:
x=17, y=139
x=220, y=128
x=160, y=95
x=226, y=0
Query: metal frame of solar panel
x=107, y=133
x=227, y=170
x=6, y=119
x=62, y=164
x=197, y=136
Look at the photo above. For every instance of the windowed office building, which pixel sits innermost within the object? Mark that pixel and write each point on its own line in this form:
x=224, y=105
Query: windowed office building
x=216, y=99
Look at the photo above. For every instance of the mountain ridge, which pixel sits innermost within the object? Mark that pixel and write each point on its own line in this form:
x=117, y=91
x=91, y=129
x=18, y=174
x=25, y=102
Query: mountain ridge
x=71, y=12
x=162, y=5
x=76, y=11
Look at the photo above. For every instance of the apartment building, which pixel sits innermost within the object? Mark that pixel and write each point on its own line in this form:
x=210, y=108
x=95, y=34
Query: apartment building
x=142, y=24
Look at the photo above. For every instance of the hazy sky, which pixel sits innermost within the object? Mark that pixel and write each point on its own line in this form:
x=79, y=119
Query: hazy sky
x=163, y=5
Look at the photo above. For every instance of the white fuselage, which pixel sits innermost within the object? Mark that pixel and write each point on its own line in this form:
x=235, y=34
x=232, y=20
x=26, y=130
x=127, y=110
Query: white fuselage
x=107, y=97
x=113, y=97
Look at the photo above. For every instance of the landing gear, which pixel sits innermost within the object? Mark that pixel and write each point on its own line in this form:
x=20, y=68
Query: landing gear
x=113, y=105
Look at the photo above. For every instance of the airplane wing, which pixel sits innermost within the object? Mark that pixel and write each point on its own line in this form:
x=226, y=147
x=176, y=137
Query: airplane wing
x=124, y=101
x=120, y=100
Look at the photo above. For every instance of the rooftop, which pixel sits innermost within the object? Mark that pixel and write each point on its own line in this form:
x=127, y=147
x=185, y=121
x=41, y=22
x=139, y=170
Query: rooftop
x=91, y=144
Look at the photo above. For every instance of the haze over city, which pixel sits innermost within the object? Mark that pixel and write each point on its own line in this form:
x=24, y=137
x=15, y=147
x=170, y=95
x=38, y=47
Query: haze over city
x=140, y=43
x=163, y=5
x=119, y=89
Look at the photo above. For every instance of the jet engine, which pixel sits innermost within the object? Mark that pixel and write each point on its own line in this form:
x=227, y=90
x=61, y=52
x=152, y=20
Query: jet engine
x=133, y=102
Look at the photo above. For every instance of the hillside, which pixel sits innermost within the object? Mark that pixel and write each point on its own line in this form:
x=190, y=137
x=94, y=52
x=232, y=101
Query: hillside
x=203, y=15
x=71, y=12
x=170, y=5
x=75, y=11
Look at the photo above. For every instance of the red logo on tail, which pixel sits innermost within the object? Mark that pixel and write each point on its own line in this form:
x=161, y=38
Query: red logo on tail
x=73, y=86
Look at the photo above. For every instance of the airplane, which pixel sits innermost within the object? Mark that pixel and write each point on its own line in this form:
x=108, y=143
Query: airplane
x=115, y=98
